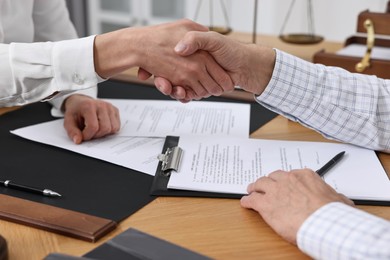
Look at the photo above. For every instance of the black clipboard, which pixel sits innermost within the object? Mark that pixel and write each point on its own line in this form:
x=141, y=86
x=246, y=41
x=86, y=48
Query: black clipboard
x=88, y=185
x=162, y=175
x=161, y=178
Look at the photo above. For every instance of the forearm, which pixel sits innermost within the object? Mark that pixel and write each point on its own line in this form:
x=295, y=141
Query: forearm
x=348, y=107
x=117, y=51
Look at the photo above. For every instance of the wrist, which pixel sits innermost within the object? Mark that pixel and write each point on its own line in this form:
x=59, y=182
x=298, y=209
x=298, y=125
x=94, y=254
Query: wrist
x=73, y=98
x=261, y=63
x=117, y=51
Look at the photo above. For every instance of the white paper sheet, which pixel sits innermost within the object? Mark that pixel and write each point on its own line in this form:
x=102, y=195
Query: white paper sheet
x=153, y=118
x=130, y=148
x=138, y=153
x=228, y=165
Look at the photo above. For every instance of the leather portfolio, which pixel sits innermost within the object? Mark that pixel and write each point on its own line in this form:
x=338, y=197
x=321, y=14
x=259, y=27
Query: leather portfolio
x=373, y=32
x=133, y=244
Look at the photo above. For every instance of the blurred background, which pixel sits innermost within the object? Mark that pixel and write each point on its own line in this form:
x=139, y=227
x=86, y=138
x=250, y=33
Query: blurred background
x=333, y=19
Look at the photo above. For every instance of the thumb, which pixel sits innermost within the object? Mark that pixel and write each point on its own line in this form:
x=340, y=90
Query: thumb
x=73, y=130
x=194, y=41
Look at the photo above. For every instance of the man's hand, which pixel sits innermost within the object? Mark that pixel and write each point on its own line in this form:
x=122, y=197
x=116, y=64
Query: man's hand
x=87, y=118
x=286, y=199
x=249, y=66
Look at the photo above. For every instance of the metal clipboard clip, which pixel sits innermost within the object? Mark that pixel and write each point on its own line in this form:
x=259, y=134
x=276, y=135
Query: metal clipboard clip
x=170, y=159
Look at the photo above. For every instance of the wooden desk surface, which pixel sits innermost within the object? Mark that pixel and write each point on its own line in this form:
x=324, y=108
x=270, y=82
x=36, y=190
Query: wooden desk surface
x=218, y=228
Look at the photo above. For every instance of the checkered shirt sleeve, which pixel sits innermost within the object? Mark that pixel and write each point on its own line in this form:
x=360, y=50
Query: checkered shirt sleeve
x=338, y=231
x=343, y=106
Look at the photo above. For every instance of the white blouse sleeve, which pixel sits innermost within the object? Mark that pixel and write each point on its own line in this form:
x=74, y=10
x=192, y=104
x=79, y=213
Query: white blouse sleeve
x=41, y=71
x=52, y=23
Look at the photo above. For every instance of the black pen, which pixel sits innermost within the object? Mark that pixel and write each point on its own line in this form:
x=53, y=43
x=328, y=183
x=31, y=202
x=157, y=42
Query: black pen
x=330, y=164
x=45, y=192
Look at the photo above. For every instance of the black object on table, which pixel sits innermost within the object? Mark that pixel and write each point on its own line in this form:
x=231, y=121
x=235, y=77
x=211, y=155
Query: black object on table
x=87, y=185
x=3, y=249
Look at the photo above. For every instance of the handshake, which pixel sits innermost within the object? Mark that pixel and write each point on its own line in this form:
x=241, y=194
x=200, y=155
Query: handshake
x=187, y=61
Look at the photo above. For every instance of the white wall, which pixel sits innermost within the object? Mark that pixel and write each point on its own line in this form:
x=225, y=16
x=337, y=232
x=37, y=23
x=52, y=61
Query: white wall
x=334, y=19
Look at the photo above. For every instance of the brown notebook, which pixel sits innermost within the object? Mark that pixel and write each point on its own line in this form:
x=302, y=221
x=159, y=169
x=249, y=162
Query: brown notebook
x=54, y=219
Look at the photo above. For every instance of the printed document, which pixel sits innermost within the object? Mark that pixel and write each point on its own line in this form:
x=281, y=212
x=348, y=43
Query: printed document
x=157, y=118
x=228, y=165
x=138, y=153
x=145, y=126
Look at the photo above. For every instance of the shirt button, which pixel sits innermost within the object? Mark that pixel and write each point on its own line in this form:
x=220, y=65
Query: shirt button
x=77, y=79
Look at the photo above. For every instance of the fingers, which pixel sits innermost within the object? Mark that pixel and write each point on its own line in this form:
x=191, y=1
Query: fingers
x=191, y=25
x=346, y=200
x=91, y=124
x=164, y=86
x=87, y=118
x=252, y=200
x=217, y=80
x=261, y=185
x=267, y=182
x=104, y=121
x=207, y=78
x=194, y=41
x=143, y=74
x=176, y=92
x=72, y=128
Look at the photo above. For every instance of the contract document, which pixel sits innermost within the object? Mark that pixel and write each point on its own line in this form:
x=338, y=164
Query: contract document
x=228, y=165
x=138, y=153
x=157, y=118
x=154, y=119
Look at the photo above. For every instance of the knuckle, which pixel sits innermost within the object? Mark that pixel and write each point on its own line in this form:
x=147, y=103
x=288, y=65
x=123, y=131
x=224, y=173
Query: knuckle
x=202, y=93
x=181, y=80
x=105, y=129
x=195, y=68
x=93, y=128
x=116, y=111
x=226, y=83
x=215, y=90
x=191, y=36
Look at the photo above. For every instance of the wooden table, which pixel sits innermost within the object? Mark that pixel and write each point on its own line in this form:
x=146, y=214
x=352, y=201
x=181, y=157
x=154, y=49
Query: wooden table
x=218, y=228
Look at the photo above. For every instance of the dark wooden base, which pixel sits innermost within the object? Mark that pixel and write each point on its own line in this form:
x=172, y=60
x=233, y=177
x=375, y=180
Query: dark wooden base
x=3, y=249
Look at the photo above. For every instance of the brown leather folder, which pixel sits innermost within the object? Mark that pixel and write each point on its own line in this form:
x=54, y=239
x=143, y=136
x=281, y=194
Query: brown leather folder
x=378, y=67
x=54, y=219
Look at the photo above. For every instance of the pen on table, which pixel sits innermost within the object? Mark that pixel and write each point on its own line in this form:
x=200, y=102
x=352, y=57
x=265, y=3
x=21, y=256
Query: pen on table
x=330, y=164
x=45, y=192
